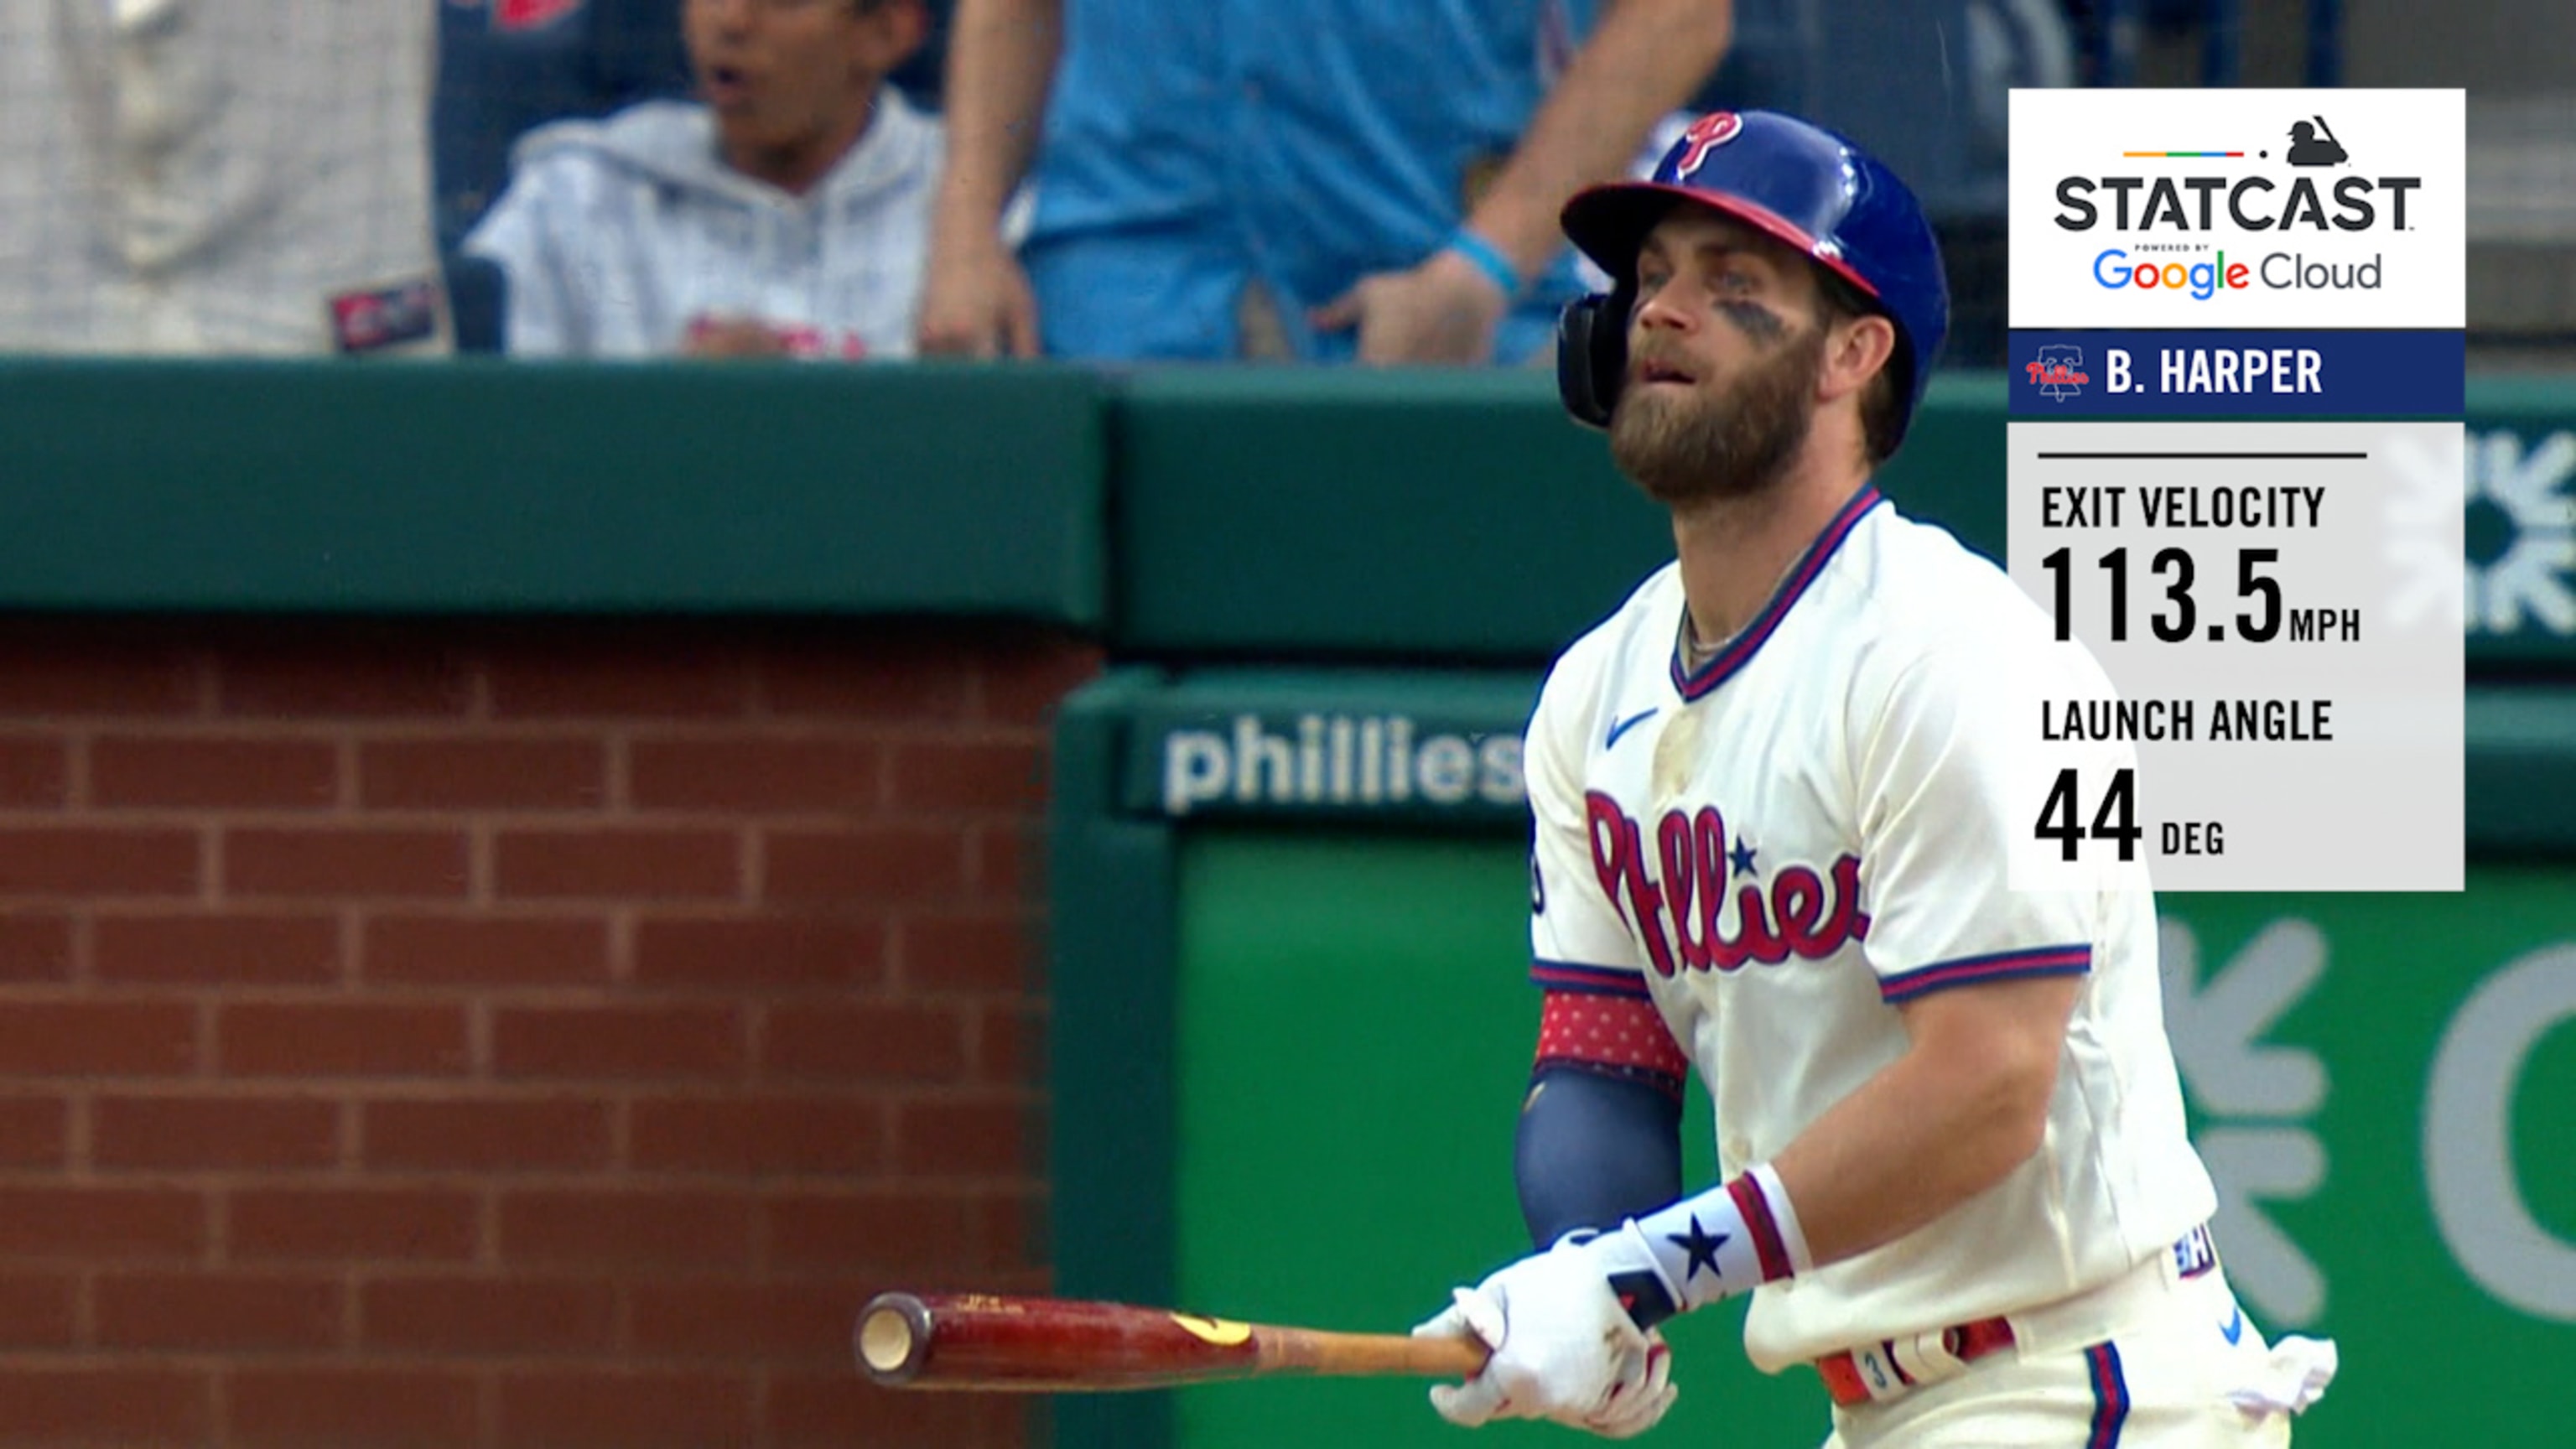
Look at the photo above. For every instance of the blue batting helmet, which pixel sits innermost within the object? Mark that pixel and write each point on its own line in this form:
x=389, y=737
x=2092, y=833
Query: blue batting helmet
x=1793, y=180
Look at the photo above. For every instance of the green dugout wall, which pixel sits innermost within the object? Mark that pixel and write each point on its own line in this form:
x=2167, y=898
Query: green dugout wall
x=1246, y=514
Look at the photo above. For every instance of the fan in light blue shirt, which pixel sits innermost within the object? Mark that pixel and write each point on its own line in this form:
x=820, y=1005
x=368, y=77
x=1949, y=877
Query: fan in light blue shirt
x=1385, y=176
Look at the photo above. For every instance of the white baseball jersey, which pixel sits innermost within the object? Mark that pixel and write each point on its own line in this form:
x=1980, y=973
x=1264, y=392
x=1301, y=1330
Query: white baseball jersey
x=1809, y=831
x=217, y=176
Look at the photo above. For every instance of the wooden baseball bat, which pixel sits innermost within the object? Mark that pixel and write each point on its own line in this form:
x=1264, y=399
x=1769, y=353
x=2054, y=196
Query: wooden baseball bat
x=1024, y=1344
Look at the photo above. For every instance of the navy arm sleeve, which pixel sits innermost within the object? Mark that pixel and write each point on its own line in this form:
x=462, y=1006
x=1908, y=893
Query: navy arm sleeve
x=1594, y=1148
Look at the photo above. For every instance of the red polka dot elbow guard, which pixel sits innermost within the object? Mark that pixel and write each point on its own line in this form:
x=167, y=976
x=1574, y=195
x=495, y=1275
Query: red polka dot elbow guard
x=1624, y=1034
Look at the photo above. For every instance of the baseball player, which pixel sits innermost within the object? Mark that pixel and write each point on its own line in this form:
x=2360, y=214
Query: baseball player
x=1770, y=845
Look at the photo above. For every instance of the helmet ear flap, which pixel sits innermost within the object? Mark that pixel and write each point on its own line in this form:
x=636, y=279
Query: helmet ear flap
x=1592, y=355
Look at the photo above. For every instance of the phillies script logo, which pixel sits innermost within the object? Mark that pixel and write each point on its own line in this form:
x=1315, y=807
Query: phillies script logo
x=1675, y=892
x=2057, y=379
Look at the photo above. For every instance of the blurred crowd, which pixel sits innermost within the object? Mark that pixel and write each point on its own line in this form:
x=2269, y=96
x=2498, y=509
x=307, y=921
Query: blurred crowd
x=1114, y=180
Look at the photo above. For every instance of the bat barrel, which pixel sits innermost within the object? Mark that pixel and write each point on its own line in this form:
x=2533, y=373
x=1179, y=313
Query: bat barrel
x=983, y=1341
x=1028, y=1345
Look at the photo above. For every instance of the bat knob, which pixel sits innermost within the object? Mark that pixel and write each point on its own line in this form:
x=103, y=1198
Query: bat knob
x=892, y=1338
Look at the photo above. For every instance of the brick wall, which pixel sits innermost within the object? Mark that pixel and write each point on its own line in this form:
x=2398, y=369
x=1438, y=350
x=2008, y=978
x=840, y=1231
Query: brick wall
x=529, y=1036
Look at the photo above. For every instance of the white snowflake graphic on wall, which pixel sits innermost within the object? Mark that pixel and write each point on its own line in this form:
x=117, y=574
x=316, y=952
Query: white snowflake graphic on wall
x=2535, y=573
x=2258, y=1096
x=2531, y=584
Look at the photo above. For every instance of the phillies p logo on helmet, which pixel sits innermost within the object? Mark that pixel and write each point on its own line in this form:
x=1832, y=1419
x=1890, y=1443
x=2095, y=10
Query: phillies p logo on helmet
x=1714, y=129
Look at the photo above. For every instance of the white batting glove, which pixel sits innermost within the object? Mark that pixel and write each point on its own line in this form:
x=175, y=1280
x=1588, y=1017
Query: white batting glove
x=1563, y=1349
x=1634, y=1410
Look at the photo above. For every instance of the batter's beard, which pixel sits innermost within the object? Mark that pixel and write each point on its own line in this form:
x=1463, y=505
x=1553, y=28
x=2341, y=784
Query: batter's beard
x=1689, y=447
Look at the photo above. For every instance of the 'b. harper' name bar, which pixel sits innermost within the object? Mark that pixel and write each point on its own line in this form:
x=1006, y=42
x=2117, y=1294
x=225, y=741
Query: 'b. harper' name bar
x=2268, y=721
x=2236, y=373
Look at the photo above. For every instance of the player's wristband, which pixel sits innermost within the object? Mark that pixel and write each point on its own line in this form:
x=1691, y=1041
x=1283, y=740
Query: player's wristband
x=1728, y=1240
x=1488, y=258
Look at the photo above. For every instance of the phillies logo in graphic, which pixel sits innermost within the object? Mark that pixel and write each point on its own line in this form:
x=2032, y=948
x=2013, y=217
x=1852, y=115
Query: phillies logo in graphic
x=1674, y=892
x=1706, y=134
x=2059, y=372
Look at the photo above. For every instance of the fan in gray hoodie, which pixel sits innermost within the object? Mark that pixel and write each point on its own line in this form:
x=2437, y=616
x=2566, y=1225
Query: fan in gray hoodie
x=786, y=214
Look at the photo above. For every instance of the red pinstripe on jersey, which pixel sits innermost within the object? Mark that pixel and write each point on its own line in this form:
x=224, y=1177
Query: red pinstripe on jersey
x=2001, y=965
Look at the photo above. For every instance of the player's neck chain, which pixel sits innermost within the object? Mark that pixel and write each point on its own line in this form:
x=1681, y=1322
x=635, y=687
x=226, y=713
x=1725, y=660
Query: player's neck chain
x=1699, y=668
x=1694, y=653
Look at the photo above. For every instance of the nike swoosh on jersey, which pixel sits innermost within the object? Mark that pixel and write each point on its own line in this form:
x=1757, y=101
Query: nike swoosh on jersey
x=1621, y=727
x=2234, y=1327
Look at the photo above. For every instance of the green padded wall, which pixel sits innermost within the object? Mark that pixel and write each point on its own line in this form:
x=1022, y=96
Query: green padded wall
x=492, y=487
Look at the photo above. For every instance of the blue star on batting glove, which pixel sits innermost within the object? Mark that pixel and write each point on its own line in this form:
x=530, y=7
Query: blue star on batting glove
x=1700, y=1248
